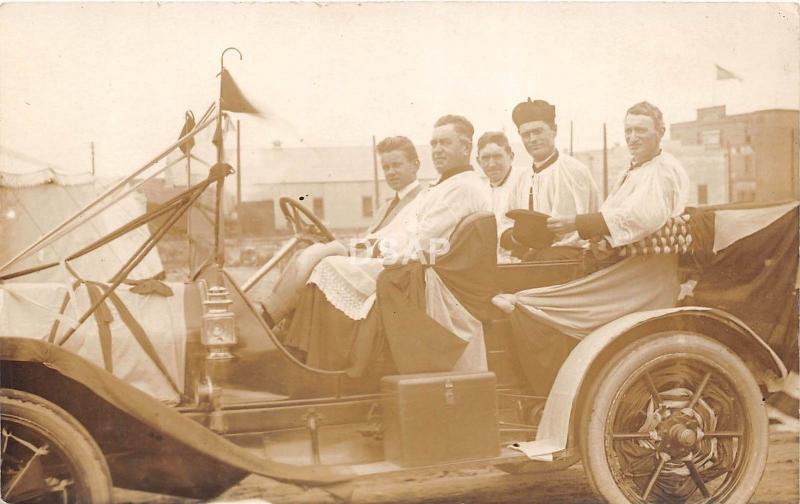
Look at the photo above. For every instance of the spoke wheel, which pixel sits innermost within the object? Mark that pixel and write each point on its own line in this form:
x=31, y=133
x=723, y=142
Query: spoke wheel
x=675, y=418
x=47, y=456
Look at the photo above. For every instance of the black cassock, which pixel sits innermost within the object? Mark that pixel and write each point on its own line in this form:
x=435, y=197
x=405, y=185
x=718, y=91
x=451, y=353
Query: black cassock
x=398, y=323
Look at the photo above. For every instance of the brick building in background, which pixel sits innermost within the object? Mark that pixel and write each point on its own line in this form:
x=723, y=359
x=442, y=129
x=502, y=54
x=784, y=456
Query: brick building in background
x=761, y=150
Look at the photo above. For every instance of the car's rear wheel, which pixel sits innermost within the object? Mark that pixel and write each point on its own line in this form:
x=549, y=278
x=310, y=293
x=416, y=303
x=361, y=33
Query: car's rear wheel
x=47, y=456
x=674, y=417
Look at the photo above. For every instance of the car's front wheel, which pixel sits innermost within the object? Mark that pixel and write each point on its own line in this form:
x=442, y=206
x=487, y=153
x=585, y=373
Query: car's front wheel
x=674, y=417
x=47, y=455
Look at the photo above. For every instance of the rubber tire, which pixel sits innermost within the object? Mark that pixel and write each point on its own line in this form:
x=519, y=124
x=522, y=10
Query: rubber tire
x=625, y=363
x=71, y=438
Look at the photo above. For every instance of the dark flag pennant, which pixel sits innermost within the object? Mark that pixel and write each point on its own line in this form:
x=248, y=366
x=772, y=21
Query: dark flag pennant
x=188, y=125
x=217, y=139
x=231, y=97
x=220, y=131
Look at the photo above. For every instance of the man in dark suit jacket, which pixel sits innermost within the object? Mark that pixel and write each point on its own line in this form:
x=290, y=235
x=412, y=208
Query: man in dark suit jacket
x=400, y=164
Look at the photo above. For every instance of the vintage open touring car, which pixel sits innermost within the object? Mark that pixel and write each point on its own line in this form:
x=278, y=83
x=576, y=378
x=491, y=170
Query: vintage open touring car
x=182, y=389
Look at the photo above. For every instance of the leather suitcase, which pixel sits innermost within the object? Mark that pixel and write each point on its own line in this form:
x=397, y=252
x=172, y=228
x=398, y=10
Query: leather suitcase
x=438, y=417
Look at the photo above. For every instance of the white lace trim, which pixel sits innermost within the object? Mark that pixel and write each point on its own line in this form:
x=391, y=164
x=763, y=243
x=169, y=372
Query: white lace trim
x=623, y=225
x=341, y=293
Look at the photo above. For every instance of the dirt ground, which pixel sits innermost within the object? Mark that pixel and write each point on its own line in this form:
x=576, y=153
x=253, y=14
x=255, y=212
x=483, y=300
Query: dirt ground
x=487, y=485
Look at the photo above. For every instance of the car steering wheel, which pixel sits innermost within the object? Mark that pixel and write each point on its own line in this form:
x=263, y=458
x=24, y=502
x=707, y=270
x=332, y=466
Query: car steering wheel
x=296, y=214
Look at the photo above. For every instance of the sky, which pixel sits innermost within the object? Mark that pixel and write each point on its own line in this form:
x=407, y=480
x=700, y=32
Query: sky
x=121, y=75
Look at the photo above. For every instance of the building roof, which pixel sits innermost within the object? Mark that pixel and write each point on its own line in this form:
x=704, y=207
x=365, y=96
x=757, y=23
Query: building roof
x=14, y=164
x=732, y=117
x=353, y=163
x=43, y=176
x=316, y=164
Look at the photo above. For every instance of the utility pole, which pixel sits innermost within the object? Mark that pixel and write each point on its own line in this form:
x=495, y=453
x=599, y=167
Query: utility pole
x=238, y=166
x=570, y=138
x=375, y=174
x=605, y=162
x=189, y=244
x=92, y=145
x=728, y=169
x=793, y=163
x=239, y=176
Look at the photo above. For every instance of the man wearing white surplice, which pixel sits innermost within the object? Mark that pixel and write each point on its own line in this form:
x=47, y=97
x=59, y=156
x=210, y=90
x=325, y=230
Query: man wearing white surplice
x=549, y=321
x=558, y=184
x=335, y=325
x=495, y=159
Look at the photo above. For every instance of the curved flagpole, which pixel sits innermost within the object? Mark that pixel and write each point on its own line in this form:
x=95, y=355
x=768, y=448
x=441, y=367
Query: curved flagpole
x=219, y=118
x=219, y=223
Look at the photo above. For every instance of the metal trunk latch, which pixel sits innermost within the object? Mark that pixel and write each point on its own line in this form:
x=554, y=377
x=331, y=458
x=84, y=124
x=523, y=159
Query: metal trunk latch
x=449, y=393
x=312, y=419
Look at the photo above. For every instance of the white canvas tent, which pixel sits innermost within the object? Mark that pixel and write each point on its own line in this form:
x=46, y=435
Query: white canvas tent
x=35, y=202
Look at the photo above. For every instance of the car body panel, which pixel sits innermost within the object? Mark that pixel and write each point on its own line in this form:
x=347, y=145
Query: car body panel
x=161, y=418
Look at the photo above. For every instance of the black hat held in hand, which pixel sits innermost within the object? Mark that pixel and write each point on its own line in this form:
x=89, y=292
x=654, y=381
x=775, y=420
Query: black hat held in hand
x=530, y=228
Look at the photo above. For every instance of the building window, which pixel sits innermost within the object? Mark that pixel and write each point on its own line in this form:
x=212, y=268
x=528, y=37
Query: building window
x=711, y=138
x=714, y=113
x=366, y=206
x=702, y=194
x=745, y=192
x=319, y=207
x=748, y=167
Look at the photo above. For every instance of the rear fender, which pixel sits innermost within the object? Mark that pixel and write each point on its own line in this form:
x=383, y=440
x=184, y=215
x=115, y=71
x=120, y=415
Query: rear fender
x=563, y=407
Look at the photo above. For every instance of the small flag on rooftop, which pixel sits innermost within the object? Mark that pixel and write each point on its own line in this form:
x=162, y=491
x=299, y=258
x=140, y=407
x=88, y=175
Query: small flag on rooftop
x=725, y=74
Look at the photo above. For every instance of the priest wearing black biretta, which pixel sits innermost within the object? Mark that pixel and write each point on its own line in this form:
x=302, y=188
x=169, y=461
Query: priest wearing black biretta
x=558, y=185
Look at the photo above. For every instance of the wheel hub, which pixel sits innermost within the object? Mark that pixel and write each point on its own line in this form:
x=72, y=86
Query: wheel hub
x=679, y=434
x=682, y=435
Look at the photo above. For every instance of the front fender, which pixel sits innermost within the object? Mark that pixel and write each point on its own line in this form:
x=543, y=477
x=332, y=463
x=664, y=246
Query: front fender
x=561, y=408
x=160, y=418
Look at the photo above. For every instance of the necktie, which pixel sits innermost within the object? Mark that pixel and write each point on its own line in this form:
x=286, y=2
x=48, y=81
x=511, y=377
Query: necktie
x=534, y=179
x=392, y=205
